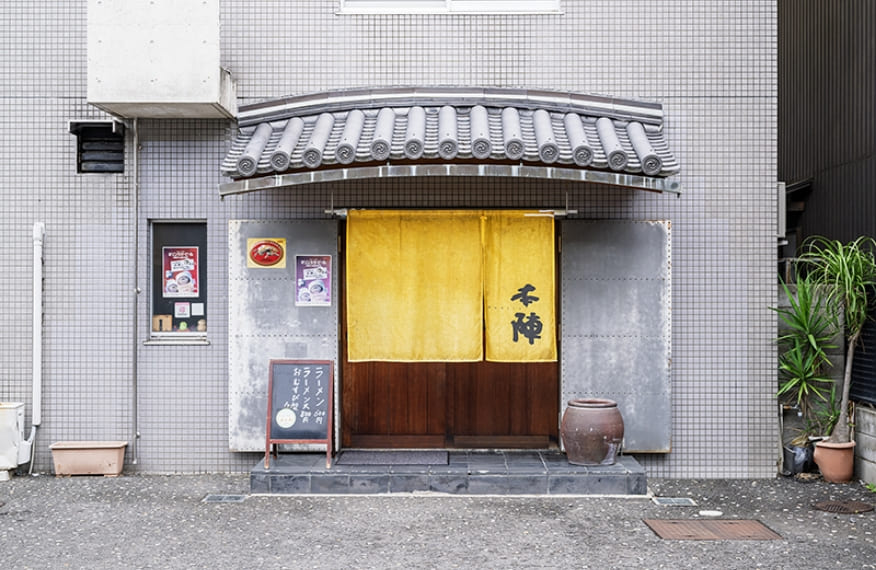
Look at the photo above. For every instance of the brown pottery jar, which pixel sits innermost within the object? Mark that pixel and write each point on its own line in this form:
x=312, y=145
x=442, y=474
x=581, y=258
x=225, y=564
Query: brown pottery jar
x=592, y=430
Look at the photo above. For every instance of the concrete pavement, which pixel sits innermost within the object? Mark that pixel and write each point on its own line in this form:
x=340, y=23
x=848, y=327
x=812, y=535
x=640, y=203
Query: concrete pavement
x=148, y=521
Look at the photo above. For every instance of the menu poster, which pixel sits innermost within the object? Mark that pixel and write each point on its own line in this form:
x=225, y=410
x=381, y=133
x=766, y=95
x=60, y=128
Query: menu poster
x=180, y=271
x=313, y=277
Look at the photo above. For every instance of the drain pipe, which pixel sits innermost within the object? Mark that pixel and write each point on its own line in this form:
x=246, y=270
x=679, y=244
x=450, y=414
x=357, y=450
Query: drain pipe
x=28, y=450
x=135, y=223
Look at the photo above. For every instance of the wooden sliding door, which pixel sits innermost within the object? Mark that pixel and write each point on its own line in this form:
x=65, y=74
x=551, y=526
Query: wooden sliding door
x=454, y=405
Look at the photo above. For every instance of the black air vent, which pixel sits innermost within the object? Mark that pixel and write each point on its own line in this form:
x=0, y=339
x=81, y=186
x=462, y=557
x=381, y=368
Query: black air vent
x=100, y=146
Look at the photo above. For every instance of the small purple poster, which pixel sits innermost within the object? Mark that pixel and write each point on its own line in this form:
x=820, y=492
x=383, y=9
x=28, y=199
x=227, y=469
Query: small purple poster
x=313, y=277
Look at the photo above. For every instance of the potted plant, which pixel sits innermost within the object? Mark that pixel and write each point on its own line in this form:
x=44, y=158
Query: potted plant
x=802, y=365
x=847, y=273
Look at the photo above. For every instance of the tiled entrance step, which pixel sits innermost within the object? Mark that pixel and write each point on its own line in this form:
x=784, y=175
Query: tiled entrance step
x=464, y=473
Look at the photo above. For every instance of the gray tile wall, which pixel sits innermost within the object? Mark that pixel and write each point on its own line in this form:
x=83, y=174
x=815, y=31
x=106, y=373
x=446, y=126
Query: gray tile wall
x=711, y=63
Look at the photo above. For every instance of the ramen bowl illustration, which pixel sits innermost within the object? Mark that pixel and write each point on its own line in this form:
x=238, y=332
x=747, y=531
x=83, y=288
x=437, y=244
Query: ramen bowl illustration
x=317, y=287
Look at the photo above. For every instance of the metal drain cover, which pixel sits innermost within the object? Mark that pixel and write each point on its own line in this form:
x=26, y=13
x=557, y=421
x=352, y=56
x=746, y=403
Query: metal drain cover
x=711, y=530
x=224, y=498
x=844, y=507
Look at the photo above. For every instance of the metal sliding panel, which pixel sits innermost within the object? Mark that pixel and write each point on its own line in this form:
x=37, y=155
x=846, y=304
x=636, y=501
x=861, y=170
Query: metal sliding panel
x=264, y=321
x=616, y=323
x=863, y=388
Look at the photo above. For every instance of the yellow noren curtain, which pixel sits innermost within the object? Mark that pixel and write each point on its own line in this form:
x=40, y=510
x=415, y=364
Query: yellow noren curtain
x=519, y=285
x=432, y=285
x=414, y=286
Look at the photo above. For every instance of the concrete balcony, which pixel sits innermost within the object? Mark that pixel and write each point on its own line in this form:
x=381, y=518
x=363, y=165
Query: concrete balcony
x=158, y=60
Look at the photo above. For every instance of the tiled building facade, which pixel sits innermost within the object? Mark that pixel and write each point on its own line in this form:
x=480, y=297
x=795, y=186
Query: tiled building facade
x=712, y=66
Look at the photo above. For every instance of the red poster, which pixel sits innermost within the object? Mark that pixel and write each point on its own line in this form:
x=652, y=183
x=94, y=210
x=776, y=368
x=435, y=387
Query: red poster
x=180, y=266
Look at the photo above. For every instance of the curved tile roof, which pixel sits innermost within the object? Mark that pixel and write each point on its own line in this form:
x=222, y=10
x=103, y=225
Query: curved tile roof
x=409, y=127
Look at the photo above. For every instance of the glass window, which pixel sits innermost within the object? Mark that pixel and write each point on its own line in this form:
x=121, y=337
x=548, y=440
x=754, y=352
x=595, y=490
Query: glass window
x=179, y=279
x=449, y=6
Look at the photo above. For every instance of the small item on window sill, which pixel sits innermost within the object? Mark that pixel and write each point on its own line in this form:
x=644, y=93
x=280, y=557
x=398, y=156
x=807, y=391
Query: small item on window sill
x=162, y=323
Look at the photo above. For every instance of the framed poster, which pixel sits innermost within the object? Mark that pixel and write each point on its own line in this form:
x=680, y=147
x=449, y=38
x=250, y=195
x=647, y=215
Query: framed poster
x=313, y=278
x=180, y=272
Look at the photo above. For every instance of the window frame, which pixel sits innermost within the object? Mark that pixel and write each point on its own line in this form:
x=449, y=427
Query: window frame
x=157, y=243
x=471, y=7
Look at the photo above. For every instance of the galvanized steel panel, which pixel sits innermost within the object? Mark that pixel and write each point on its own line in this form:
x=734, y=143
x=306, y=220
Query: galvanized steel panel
x=615, y=307
x=265, y=324
x=616, y=323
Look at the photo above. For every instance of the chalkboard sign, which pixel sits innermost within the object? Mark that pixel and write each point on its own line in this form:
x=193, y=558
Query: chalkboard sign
x=299, y=404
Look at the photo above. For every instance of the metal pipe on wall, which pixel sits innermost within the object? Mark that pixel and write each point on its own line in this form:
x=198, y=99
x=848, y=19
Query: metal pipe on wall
x=39, y=233
x=29, y=447
x=135, y=223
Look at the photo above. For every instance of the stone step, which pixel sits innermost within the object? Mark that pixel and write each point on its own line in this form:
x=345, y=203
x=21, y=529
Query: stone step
x=465, y=473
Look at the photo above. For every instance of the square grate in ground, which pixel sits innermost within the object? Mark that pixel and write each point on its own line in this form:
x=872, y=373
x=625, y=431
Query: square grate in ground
x=674, y=501
x=224, y=498
x=711, y=530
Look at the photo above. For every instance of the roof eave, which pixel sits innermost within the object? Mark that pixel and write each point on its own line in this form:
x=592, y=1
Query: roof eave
x=340, y=100
x=621, y=179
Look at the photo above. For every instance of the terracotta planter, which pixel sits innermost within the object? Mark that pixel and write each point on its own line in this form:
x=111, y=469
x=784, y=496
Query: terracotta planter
x=836, y=461
x=88, y=457
x=592, y=431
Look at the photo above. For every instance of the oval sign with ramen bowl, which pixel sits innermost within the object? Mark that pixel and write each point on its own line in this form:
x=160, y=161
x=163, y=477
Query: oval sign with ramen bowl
x=266, y=253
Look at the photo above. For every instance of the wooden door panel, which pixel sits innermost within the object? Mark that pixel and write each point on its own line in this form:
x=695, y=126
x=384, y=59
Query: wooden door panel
x=544, y=395
x=429, y=404
x=437, y=404
x=416, y=399
x=505, y=399
x=478, y=404
x=394, y=404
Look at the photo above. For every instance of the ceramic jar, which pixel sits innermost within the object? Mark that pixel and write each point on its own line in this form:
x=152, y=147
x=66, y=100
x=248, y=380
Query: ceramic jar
x=592, y=430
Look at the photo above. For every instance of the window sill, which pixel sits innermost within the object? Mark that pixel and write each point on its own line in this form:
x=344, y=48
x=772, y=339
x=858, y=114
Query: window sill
x=156, y=341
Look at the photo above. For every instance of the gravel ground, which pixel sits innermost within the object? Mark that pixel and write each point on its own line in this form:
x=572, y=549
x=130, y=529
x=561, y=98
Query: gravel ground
x=148, y=521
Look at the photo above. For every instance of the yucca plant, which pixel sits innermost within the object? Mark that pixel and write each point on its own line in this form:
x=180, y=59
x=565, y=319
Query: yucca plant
x=800, y=372
x=847, y=273
x=803, y=362
x=825, y=417
x=807, y=320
